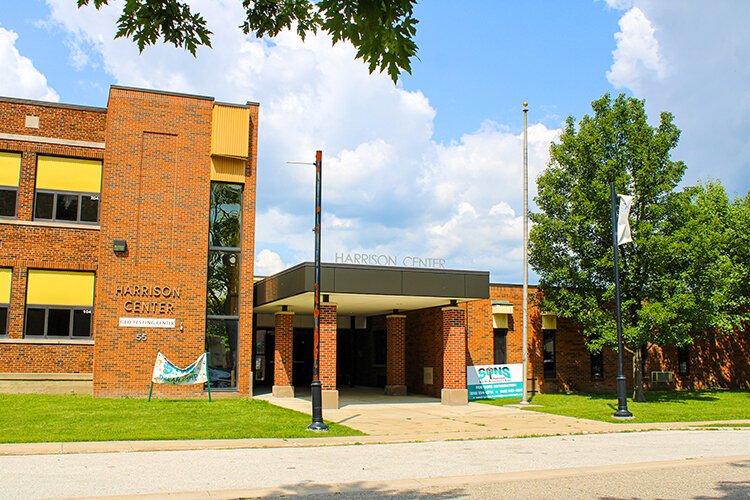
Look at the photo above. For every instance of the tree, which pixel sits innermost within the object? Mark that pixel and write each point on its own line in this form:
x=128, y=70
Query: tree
x=668, y=276
x=382, y=31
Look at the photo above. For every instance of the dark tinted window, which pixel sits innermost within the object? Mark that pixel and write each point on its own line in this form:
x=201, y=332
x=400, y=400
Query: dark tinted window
x=597, y=365
x=548, y=349
x=683, y=360
x=3, y=320
x=34, y=321
x=81, y=323
x=8, y=202
x=501, y=346
x=89, y=208
x=58, y=322
x=67, y=207
x=44, y=205
x=221, y=345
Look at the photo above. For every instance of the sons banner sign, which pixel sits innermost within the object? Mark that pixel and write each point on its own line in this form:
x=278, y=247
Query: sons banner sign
x=167, y=373
x=494, y=381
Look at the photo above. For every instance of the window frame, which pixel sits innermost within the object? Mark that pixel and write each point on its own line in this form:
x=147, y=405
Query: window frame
x=79, y=194
x=71, y=309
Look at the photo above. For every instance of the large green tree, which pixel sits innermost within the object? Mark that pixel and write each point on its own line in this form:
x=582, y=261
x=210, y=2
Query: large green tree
x=382, y=31
x=668, y=275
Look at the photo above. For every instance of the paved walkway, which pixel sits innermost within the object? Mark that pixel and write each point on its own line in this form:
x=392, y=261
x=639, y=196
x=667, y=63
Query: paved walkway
x=385, y=419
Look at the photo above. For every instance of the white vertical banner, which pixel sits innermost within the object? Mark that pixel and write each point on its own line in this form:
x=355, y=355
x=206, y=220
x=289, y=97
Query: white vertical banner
x=623, y=224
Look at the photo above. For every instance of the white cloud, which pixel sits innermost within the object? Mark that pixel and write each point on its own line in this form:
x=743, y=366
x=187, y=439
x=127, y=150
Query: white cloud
x=620, y=4
x=703, y=52
x=268, y=263
x=20, y=77
x=637, y=54
x=388, y=187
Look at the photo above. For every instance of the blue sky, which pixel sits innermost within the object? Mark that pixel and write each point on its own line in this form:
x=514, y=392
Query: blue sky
x=430, y=167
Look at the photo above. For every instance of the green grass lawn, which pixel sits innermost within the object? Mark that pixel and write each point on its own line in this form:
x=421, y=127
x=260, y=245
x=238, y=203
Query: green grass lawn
x=661, y=406
x=31, y=418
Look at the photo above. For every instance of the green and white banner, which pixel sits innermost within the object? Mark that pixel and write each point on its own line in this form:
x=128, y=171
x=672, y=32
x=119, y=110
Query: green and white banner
x=167, y=373
x=494, y=381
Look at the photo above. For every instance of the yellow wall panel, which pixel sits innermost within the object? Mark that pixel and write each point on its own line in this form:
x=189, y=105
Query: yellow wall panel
x=5, y=278
x=230, y=129
x=10, y=169
x=60, y=288
x=68, y=174
x=500, y=320
x=227, y=169
x=549, y=322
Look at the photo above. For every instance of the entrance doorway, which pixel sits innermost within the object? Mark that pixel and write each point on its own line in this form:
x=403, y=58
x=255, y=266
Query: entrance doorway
x=302, y=357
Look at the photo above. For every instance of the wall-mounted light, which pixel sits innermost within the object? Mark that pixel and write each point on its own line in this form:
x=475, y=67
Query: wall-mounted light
x=120, y=246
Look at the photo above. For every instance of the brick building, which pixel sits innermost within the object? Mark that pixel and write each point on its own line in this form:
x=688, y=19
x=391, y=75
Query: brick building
x=129, y=229
x=125, y=231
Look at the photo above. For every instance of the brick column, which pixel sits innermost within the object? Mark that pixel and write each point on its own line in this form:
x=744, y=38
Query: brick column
x=282, y=356
x=396, y=355
x=454, y=390
x=328, y=326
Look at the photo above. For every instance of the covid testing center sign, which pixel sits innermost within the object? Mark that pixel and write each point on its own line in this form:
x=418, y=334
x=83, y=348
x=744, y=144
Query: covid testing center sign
x=494, y=381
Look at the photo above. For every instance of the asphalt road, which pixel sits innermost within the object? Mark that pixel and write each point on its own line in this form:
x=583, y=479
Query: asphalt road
x=660, y=464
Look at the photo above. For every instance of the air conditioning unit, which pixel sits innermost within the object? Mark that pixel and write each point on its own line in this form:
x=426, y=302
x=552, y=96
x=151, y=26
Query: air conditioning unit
x=661, y=377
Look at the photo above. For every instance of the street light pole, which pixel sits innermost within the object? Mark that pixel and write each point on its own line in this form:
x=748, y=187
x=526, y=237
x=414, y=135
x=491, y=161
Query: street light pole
x=316, y=391
x=525, y=341
x=622, y=400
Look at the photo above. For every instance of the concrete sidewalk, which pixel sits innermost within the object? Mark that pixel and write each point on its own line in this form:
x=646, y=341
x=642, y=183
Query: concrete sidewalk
x=385, y=419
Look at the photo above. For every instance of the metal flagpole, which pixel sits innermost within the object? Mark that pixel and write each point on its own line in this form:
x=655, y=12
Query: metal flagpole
x=316, y=390
x=622, y=401
x=525, y=341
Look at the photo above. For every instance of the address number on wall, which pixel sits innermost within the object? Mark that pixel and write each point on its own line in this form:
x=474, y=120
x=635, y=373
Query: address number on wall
x=141, y=337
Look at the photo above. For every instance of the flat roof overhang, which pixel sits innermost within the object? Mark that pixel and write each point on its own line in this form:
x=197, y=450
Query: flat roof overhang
x=368, y=290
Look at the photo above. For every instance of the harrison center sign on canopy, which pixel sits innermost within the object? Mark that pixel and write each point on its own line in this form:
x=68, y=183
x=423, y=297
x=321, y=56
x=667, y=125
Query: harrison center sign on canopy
x=129, y=230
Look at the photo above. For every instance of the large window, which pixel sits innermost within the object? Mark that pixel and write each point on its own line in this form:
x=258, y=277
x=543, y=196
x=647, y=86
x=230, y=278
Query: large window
x=59, y=304
x=548, y=349
x=68, y=189
x=501, y=345
x=223, y=286
x=10, y=176
x=683, y=360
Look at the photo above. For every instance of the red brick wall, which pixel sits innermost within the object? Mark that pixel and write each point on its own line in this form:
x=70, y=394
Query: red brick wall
x=424, y=348
x=27, y=244
x=328, y=326
x=454, y=348
x=284, y=341
x=155, y=196
x=396, y=349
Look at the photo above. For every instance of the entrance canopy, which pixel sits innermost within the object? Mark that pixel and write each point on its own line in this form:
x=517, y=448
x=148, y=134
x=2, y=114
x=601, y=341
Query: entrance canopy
x=368, y=290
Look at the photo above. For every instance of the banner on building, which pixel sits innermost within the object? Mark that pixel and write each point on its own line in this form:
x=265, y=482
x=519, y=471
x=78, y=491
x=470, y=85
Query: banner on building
x=165, y=372
x=494, y=381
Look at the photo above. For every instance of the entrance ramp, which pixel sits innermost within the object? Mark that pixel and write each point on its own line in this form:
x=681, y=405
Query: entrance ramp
x=424, y=418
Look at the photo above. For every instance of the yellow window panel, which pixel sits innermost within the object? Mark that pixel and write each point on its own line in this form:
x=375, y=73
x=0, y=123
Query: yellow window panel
x=227, y=169
x=500, y=320
x=549, y=322
x=5, y=277
x=10, y=169
x=230, y=130
x=60, y=288
x=68, y=174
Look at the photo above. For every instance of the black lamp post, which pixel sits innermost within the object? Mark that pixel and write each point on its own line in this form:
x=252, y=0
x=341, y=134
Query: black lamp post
x=316, y=390
x=622, y=400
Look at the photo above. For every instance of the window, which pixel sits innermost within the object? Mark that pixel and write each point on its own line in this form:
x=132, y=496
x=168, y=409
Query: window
x=223, y=284
x=548, y=349
x=68, y=190
x=683, y=360
x=10, y=176
x=501, y=346
x=5, y=279
x=597, y=365
x=59, y=304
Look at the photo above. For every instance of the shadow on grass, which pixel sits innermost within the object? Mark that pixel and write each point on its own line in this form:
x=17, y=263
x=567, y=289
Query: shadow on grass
x=657, y=397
